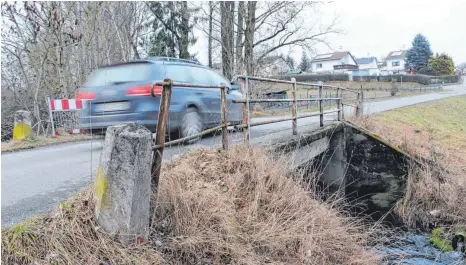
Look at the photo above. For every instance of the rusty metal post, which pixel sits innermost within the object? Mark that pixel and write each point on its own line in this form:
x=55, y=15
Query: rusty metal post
x=339, y=105
x=160, y=133
x=357, y=105
x=245, y=90
x=294, y=107
x=307, y=97
x=321, y=109
x=224, y=118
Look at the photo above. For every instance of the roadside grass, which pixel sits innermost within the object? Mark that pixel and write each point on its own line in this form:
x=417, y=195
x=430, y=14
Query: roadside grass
x=435, y=133
x=243, y=206
x=34, y=141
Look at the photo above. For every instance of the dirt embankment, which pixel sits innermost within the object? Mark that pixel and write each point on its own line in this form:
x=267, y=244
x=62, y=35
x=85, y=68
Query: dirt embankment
x=434, y=132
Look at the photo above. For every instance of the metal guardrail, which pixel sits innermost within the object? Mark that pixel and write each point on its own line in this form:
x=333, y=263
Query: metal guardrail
x=168, y=84
x=246, y=124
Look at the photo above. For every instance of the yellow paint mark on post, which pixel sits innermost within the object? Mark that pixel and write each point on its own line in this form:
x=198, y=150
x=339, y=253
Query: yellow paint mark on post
x=100, y=188
x=21, y=131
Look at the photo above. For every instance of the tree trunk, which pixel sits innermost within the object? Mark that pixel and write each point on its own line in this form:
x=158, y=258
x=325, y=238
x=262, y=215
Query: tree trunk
x=210, y=38
x=184, y=30
x=226, y=11
x=239, y=39
x=249, y=37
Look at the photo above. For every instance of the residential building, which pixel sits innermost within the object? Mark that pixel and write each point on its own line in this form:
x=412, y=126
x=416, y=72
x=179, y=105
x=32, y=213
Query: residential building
x=396, y=62
x=367, y=66
x=337, y=62
x=272, y=66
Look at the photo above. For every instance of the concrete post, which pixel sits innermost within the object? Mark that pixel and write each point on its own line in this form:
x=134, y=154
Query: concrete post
x=122, y=184
x=23, y=125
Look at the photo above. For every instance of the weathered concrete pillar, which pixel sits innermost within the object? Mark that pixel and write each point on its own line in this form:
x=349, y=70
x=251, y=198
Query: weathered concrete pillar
x=335, y=163
x=122, y=185
x=23, y=125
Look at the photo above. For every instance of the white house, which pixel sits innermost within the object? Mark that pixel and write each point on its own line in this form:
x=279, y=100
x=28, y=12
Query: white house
x=395, y=62
x=367, y=66
x=337, y=62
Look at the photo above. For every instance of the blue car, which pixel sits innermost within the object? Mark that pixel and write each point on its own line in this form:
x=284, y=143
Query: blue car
x=121, y=93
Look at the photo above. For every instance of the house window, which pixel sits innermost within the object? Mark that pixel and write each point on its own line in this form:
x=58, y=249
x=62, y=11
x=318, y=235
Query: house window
x=396, y=63
x=319, y=65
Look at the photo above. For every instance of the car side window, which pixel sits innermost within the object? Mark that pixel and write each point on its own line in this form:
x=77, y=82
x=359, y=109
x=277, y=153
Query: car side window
x=177, y=73
x=216, y=78
x=200, y=75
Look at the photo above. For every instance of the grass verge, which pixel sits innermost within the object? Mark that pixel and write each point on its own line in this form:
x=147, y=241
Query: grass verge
x=434, y=132
x=39, y=141
x=213, y=207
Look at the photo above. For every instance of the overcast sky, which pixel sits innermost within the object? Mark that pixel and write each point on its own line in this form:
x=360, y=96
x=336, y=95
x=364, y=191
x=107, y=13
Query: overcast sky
x=376, y=27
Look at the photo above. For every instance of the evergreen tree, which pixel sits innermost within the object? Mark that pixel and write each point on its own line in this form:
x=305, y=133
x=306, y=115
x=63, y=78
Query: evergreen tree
x=173, y=32
x=290, y=62
x=304, y=62
x=443, y=64
x=418, y=55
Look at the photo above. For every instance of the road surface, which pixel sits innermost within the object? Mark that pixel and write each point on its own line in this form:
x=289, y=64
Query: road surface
x=36, y=181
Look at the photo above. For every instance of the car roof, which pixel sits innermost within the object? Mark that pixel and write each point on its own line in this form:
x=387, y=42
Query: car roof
x=161, y=60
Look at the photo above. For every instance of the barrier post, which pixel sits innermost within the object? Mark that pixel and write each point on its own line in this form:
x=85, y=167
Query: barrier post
x=245, y=88
x=160, y=133
x=339, y=105
x=294, y=107
x=321, y=109
x=224, y=119
x=51, y=117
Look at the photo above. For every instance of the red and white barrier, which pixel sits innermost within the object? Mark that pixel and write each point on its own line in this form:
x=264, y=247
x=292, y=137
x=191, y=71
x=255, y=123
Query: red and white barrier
x=62, y=105
x=66, y=104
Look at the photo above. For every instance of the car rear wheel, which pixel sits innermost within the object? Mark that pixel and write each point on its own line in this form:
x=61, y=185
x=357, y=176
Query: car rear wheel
x=191, y=124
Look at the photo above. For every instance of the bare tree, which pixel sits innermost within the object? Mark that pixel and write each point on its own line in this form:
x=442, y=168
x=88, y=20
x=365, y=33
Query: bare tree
x=462, y=67
x=49, y=48
x=210, y=36
x=249, y=37
x=239, y=38
x=227, y=32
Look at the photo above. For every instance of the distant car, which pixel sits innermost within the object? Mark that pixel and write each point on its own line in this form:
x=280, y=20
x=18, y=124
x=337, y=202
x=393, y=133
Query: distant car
x=120, y=93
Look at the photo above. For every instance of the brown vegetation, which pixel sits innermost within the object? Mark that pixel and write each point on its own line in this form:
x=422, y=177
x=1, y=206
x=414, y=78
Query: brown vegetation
x=213, y=207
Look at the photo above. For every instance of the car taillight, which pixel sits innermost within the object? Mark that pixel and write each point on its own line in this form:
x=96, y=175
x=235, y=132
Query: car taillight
x=144, y=91
x=85, y=95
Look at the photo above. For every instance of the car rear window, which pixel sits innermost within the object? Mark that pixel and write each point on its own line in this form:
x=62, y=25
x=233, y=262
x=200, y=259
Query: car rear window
x=119, y=74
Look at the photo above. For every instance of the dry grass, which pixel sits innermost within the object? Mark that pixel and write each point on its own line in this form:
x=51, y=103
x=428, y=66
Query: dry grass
x=243, y=206
x=39, y=141
x=239, y=207
x=70, y=236
x=435, y=133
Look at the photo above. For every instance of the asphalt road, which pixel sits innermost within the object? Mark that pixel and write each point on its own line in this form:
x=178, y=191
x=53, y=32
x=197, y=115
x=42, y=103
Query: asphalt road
x=35, y=181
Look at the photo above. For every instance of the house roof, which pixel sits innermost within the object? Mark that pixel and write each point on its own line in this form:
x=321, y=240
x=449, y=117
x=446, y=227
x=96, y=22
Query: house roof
x=330, y=56
x=396, y=55
x=365, y=60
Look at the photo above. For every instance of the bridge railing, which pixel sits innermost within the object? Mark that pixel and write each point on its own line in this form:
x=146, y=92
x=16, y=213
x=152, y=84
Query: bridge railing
x=168, y=84
x=245, y=88
x=162, y=122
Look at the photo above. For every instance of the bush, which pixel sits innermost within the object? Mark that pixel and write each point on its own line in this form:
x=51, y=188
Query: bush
x=427, y=71
x=315, y=77
x=421, y=79
x=447, y=79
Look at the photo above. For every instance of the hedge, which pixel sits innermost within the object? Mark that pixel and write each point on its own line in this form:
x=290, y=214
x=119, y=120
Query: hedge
x=315, y=77
x=421, y=79
x=445, y=79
